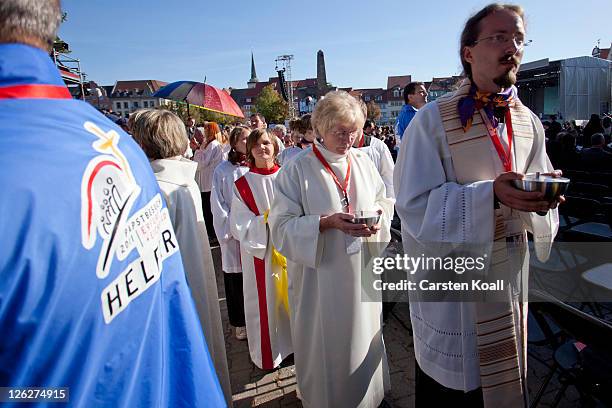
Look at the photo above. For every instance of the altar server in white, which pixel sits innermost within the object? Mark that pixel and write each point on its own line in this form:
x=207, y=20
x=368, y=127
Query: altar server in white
x=339, y=350
x=221, y=195
x=264, y=269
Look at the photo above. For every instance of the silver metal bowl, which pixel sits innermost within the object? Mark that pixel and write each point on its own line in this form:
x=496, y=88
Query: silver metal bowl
x=552, y=187
x=369, y=218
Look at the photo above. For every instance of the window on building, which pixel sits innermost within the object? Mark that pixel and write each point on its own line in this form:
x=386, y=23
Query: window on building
x=145, y=104
x=379, y=98
x=118, y=104
x=248, y=100
x=136, y=106
x=151, y=104
x=125, y=105
x=367, y=98
x=396, y=93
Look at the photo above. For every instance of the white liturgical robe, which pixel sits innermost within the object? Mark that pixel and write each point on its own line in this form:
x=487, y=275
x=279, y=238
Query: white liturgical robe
x=176, y=181
x=434, y=207
x=208, y=158
x=221, y=196
x=381, y=156
x=288, y=154
x=339, y=350
x=267, y=319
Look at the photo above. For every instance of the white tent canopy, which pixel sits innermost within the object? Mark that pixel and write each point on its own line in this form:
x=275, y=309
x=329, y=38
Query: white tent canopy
x=585, y=87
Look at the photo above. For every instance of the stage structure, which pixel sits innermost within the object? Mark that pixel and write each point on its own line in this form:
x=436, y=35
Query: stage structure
x=283, y=68
x=572, y=88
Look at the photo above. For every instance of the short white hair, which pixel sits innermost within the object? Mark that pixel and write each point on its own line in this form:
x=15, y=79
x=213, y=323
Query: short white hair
x=338, y=107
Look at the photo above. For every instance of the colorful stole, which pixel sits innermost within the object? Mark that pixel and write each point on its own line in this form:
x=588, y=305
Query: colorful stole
x=499, y=337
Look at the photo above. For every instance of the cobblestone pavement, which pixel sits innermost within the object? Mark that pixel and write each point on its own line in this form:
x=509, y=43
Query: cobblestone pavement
x=252, y=387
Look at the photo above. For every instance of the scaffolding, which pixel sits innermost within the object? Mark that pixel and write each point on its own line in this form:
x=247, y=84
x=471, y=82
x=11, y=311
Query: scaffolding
x=70, y=70
x=283, y=67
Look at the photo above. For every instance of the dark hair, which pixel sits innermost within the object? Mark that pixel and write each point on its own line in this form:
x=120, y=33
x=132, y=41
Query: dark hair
x=471, y=30
x=597, y=139
x=594, y=120
x=305, y=122
x=234, y=156
x=594, y=125
x=295, y=125
x=410, y=89
x=568, y=141
x=253, y=138
x=368, y=123
x=259, y=115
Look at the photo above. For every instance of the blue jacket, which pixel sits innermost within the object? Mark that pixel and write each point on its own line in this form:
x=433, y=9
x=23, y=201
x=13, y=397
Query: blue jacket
x=93, y=294
x=403, y=120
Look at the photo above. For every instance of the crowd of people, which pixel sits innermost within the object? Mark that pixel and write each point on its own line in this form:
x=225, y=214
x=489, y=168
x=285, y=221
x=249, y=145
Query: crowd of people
x=107, y=283
x=228, y=182
x=573, y=147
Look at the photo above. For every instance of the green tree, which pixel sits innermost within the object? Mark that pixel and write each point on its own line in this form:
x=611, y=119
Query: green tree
x=60, y=45
x=373, y=111
x=270, y=104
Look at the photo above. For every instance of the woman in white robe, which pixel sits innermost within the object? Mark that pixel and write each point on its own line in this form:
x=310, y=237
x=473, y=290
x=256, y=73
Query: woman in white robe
x=208, y=155
x=339, y=350
x=221, y=195
x=265, y=293
x=163, y=137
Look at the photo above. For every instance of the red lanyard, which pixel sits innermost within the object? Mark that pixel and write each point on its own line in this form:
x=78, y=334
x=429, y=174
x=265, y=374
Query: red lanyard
x=362, y=141
x=504, y=156
x=34, y=91
x=345, y=198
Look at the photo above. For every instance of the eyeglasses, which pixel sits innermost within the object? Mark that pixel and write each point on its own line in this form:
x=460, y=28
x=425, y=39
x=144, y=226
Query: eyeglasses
x=503, y=39
x=339, y=133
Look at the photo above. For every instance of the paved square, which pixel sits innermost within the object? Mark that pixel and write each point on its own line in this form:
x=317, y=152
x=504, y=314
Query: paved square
x=252, y=387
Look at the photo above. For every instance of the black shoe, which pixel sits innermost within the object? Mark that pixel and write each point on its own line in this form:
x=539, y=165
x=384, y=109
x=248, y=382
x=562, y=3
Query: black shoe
x=385, y=404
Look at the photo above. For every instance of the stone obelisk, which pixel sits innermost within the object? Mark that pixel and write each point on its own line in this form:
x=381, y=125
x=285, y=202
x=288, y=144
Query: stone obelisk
x=321, y=76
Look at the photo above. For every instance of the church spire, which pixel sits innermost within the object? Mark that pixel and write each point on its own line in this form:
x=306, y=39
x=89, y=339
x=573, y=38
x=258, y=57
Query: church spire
x=253, y=79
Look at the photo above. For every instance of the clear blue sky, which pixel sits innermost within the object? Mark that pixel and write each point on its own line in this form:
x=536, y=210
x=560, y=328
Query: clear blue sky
x=363, y=41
